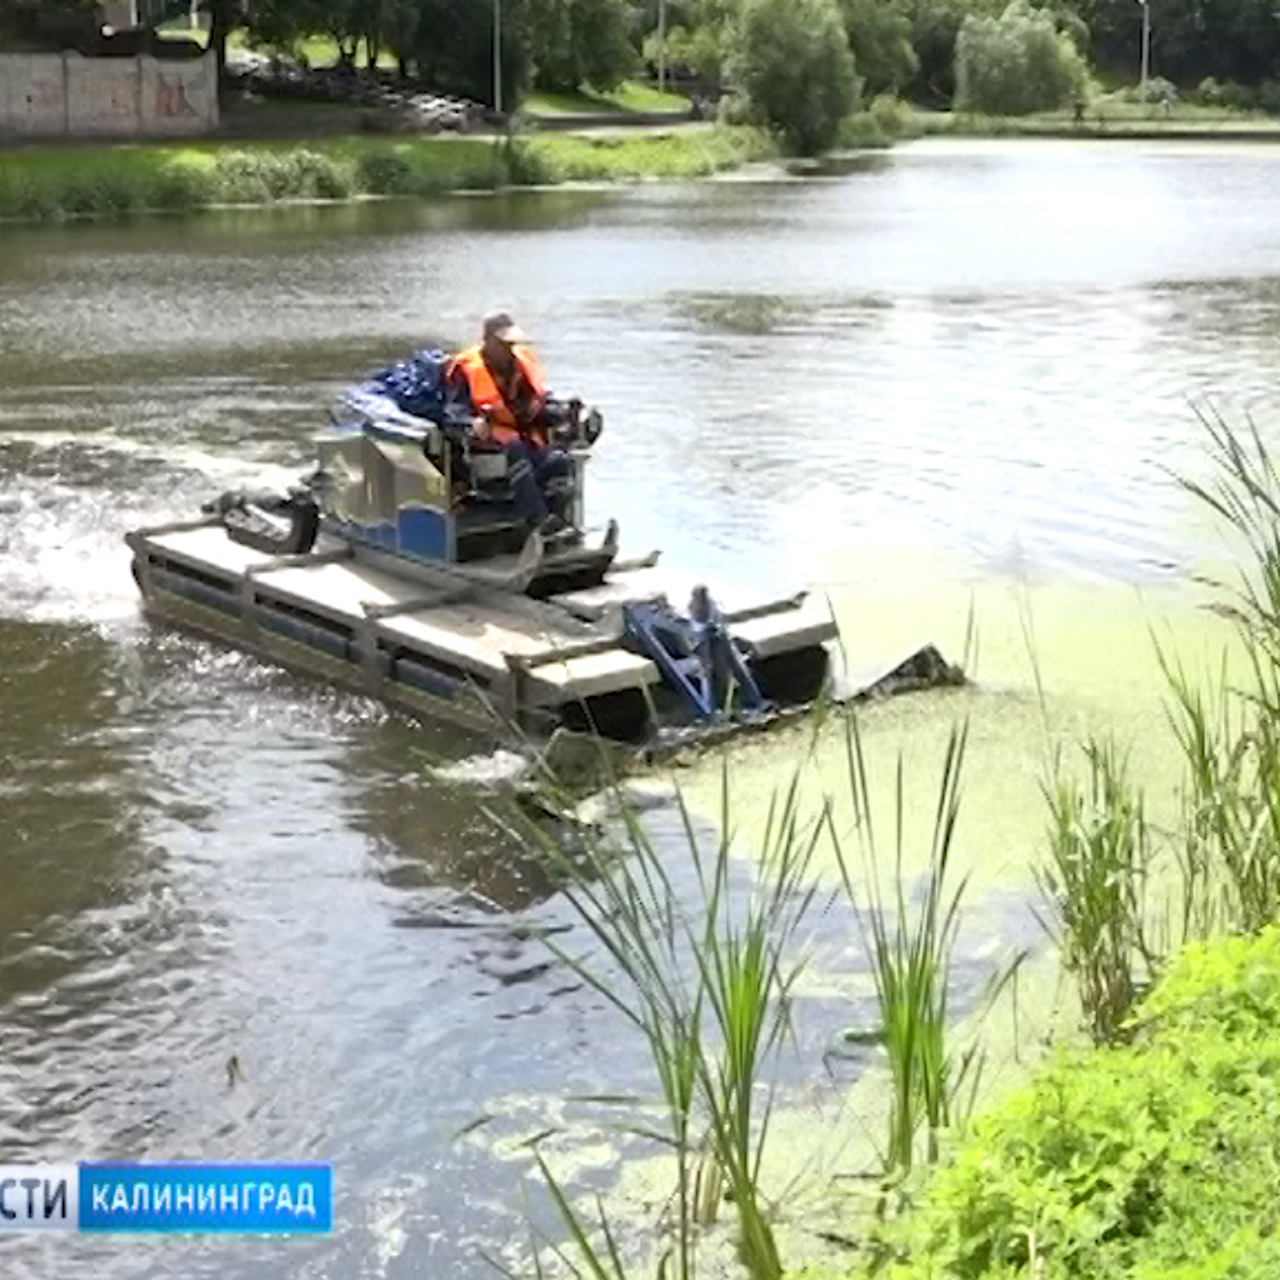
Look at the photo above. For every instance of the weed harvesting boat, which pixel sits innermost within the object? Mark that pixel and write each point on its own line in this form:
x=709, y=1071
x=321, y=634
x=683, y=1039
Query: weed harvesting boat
x=398, y=567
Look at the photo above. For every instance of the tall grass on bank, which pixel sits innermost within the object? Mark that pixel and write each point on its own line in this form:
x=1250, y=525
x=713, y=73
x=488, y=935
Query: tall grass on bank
x=1232, y=744
x=43, y=184
x=1228, y=843
x=1245, y=494
x=620, y=157
x=909, y=948
x=707, y=978
x=113, y=181
x=1225, y=848
x=708, y=985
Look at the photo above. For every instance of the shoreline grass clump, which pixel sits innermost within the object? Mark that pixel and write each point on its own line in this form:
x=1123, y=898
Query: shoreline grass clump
x=1232, y=741
x=706, y=973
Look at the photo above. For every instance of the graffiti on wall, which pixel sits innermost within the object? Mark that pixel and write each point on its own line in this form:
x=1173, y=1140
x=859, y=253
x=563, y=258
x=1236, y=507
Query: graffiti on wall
x=171, y=99
x=67, y=93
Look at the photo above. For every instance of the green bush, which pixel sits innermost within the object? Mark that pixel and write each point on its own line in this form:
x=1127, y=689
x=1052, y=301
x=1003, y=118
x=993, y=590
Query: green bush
x=1267, y=97
x=241, y=177
x=1153, y=1161
x=1157, y=90
x=1016, y=64
x=385, y=173
x=893, y=117
x=885, y=122
x=528, y=166
x=175, y=187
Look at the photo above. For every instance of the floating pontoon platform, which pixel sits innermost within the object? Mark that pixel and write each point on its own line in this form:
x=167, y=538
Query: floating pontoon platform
x=455, y=647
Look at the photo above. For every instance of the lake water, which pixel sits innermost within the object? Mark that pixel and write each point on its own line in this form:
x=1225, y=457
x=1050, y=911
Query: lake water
x=991, y=352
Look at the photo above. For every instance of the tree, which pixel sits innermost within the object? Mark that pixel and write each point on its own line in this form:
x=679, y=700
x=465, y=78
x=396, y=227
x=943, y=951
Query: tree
x=697, y=53
x=699, y=36
x=40, y=24
x=1016, y=63
x=935, y=24
x=791, y=59
x=453, y=48
x=224, y=16
x=577, y=42
x=280, y=24
x=880, y=36
x=379, y=24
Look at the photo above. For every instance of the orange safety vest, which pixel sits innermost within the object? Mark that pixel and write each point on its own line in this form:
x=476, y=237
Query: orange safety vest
x=510, y=415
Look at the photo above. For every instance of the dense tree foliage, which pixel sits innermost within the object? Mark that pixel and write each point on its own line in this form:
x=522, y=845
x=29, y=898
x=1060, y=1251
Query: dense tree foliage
x=1016, y=63
x=577, y=42
x=880, y=38
x=791, y=59
x=38, y=24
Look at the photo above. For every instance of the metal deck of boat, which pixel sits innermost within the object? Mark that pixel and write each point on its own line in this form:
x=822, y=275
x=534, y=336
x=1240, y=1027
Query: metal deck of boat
x=433, y=641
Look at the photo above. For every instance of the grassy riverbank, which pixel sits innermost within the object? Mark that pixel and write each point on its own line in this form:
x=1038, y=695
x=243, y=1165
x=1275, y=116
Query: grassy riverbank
x=41, y=184
x=1107, y=117
x=112, y=180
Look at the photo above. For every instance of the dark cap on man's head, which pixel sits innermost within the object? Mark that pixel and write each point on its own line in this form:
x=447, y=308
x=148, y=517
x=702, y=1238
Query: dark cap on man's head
x=500, y=325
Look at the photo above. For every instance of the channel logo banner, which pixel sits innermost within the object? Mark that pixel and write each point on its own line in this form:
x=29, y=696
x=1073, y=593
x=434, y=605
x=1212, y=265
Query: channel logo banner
x=179, y=1196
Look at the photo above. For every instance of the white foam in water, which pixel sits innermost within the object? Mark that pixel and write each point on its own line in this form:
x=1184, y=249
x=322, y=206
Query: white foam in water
x=62, y=551
x=63, y=558
x=485, y=769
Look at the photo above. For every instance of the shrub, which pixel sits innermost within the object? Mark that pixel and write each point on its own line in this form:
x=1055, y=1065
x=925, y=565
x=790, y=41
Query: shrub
x=1094, y=882
x=527, y=165
x=1209, y=93
x=240, y=178
x=1267, y=97
x=385, y=173
x=892, y=116
x=1016, y=63
x=1157, y=1159
x=1158, y=90
x=177, y=186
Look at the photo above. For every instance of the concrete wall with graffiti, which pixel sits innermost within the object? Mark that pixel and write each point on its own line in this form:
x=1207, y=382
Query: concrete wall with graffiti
x=65, y=94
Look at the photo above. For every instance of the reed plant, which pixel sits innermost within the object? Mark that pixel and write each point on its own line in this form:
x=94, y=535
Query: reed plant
x=910, y=946
x=708, y=983
x=1245, y=493
x=1230, y=739
x=1095, y=882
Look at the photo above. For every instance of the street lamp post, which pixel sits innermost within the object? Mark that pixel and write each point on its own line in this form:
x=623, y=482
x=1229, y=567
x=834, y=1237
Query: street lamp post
x=497, y=56
x=662, y=46
x=1146, y=48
